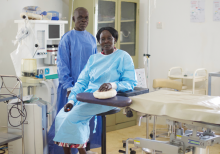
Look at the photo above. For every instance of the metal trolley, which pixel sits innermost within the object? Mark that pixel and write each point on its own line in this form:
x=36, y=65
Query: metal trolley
x=9, y=93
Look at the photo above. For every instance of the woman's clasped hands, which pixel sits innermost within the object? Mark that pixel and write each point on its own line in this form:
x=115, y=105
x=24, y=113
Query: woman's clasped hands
x=102, y=88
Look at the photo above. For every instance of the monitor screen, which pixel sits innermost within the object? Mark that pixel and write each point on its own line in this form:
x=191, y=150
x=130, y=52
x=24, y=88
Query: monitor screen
x=54, y=31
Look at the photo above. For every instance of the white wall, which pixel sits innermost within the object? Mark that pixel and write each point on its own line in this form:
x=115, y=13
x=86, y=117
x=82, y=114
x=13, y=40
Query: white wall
x=10, y=11
x=180, y=42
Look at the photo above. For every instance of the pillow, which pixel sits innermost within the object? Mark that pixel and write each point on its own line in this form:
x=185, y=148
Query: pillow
x=105, y=94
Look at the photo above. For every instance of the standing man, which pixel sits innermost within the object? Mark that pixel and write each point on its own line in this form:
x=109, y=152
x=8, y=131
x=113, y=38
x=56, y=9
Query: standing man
x=75, y=48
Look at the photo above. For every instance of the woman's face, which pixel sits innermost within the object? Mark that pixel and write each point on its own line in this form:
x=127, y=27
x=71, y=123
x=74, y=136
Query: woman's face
x=107, y=41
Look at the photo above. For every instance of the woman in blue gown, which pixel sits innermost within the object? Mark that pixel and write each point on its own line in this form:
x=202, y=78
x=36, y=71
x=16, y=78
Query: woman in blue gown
x=113, y=68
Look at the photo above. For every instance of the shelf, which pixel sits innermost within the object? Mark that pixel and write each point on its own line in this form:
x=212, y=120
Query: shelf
x=44, y=21
x=106, y=22
x=197, y=78
x=127, y=20
x=6, y=98
x=124, y=43
x=6, y=137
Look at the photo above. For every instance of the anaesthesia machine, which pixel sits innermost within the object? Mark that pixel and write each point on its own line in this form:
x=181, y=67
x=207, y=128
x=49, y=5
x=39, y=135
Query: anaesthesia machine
x=35, y=64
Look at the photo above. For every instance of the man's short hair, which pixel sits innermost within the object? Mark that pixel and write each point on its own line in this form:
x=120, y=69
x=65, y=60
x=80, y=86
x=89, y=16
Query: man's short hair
x=77, y=9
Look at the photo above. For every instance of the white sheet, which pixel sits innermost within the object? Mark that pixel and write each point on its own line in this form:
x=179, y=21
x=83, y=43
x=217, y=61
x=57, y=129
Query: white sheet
x=179, y=105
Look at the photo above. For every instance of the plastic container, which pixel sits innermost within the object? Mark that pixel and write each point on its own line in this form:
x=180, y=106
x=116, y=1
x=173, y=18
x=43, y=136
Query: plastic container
x=32, y=9
x=48, y=16
x=29, y=67
x=55, y=15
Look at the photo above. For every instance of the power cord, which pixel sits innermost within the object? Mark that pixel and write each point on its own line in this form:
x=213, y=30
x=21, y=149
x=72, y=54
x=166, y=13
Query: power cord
x=22, y=113
x=2, y=148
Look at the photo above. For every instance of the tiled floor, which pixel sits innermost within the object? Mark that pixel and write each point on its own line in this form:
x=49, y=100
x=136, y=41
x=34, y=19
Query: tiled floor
x=114, y=140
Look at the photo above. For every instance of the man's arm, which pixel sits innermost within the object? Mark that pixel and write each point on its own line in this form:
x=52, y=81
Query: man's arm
x=63, y=64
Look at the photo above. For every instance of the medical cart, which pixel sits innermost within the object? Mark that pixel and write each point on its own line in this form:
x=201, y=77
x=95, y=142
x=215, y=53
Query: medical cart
x=10, y=95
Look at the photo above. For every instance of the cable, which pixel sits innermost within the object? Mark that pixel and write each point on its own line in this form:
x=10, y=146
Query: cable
x=36, y=45
x=2, y=149
x=22, y=113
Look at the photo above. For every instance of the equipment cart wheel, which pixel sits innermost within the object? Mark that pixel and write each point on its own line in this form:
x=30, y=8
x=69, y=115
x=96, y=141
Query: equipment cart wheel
x=151, y=135
x=133, y=152
x=124, y=145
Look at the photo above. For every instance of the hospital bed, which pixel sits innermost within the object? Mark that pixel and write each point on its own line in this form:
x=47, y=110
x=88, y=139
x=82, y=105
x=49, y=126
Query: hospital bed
x=200, y=114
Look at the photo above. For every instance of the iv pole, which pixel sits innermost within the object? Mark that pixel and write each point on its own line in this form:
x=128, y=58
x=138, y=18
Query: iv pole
x=147, y=56
x=70, y=15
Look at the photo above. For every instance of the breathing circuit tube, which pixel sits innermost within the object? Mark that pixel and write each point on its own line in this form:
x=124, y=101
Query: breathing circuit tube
x=49, y=91
x=55, y=96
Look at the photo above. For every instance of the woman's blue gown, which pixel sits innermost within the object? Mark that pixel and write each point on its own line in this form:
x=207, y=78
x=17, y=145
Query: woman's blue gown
x=73, y=127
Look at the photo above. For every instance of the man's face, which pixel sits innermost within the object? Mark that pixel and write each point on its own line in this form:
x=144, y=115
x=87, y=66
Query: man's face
x=81, y=19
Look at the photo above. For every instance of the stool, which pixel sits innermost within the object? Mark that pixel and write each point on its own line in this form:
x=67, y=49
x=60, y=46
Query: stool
x=116, y=110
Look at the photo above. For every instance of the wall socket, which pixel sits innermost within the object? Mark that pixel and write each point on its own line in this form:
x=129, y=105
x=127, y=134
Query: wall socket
x=159, y=25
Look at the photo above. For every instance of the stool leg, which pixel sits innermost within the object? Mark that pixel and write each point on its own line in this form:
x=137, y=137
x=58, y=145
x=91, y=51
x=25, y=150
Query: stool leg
x=103, y=134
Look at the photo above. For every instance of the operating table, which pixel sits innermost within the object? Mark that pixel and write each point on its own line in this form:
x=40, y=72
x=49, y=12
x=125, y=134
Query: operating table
x=200, y=114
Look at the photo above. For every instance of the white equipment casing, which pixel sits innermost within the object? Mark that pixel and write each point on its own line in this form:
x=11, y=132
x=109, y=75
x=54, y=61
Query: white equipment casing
x=40, y=35
x=40, y=28
x=35, y=130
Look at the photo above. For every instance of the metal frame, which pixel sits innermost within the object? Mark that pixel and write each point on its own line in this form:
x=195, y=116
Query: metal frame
x=194, y=78
x=180, y=141
x=216, y=74
x=4, y=97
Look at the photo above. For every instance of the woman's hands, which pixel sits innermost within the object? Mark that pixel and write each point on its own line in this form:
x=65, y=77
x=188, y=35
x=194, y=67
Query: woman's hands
x=105, y=87
x=68, y=107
